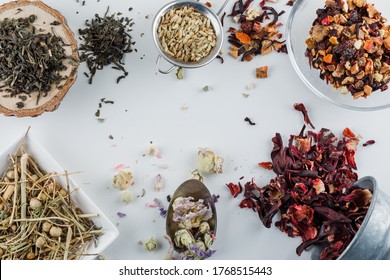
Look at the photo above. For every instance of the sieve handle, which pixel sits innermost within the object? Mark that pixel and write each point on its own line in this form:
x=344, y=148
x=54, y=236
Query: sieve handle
x=223, y=6
x=163, y=71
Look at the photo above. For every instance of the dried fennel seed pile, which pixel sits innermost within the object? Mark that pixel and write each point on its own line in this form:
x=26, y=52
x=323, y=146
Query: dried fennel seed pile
x=30, y=61
x=186, y=34
x=105, y=41
x=38, y=219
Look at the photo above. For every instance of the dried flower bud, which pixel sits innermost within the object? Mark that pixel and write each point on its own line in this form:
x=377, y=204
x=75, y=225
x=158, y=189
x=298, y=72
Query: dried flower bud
x=63, y=192
x=208, y=240
x=150, y=244
x=196, y=175
x=1, y=252
x=204, y=227
x=183, y=238
x=35, y=203
x=209, y=161
x=34, y=177
x=201, y=246
x=127, y=197
x=154, y=151
x=11, y=175
x=42, y=196
x=55, y=231
x=30, y=256
x=40, y=242
x=122, y=180
x=46, y=226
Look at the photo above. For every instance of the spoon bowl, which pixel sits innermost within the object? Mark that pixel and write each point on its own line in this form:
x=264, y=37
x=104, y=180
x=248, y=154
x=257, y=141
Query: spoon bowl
x=190, y=188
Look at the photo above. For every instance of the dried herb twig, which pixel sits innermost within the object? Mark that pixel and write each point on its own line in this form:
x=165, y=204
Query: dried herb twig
x=38, y=219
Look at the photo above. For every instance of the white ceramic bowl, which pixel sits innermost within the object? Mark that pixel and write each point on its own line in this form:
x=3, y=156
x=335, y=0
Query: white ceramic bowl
x=298, y=26
x=79, y=197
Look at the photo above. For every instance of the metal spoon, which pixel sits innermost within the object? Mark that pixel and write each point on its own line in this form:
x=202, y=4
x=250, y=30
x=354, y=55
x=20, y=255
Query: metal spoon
x=197, y=190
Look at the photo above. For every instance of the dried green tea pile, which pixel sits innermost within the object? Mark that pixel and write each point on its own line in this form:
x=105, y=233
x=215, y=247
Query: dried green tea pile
x=105, y=41
x=30, y=61
x=38, y=219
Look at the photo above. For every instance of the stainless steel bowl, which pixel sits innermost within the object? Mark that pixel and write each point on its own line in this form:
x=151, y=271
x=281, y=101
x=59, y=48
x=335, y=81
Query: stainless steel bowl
x=216, y=23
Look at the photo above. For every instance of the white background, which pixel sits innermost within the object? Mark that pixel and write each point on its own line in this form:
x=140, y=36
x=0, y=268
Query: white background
x=148, y=107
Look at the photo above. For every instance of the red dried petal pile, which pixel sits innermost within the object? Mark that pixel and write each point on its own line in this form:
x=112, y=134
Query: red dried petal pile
x=313, y=191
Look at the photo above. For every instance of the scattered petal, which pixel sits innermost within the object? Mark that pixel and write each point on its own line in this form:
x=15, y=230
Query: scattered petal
x=127, y=197
x=158, y=183
x=121, y=215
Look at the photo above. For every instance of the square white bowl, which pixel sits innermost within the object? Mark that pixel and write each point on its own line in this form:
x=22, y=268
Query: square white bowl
x=48, y=164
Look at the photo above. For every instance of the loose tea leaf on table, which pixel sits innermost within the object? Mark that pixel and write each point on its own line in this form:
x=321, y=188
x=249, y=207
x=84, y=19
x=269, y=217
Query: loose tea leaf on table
x=30, y=61
x=105, y=41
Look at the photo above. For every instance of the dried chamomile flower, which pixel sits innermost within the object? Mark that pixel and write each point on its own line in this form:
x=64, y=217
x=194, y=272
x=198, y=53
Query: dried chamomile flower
x=183, y=238
x=127, y=197
x=209, y=162
x=196, y=175
x=122, y=180
x=150, y=244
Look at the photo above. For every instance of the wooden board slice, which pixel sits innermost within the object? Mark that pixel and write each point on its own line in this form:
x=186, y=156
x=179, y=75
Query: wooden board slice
x=45, y=16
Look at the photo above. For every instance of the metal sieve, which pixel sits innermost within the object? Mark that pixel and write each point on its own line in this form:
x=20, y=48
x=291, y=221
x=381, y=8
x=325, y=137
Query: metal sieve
x=215, y=22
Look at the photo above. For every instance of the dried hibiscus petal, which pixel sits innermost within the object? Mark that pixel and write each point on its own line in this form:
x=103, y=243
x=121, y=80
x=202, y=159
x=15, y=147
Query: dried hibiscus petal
x=368, y=143
x=266, y=165
x=348, y=133
x=247, y=203
x=360, y=197
x=313, y=190
x=301, y=108
x=235, y=189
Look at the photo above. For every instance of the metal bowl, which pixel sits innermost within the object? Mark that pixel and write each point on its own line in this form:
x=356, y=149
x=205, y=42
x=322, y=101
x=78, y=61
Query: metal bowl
x=372, y=240
x=215, y=22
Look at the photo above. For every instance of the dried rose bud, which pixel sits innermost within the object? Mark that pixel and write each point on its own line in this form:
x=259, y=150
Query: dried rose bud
x=183, y=238
x=196, y=175
x=209, y=161
x=122, y=180
x=150, y=245
x=204, y=227
x=208, y=240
